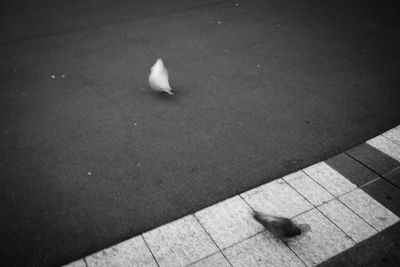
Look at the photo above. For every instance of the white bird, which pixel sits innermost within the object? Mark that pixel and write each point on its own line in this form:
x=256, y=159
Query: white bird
x=158, y=79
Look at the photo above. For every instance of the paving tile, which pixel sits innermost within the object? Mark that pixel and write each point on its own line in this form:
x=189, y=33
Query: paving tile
x=347, y=220
x=323, y=241
x=330, y=179
x=261, y=250
x=308, y=188
x=351, y=169
x=393, y=134
x=78, y=263
x=277, y=198
x=373, y=158
x=229, y=221
x=132, y=252
x=380, y=250
x=216, y=259
x=369, y=209
x=386, y=194
x=394, y=177
x=180, y=243
x=386, y=145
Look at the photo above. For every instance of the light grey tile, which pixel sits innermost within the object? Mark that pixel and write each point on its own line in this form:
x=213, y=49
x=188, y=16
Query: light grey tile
x=214, y=260
x=78, y=263
x=347, y=220
x=369, y=209
x=323, y=241
x=132, y=252
x=180, y=242
x=308, y=188
x=229, y=221
x=329, y=178
x=386, y=145
x=261, y=250
x=393, y=134
x=277, y=198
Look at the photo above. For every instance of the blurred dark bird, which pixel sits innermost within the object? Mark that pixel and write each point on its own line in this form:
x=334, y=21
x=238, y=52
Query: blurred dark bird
x=279, y=226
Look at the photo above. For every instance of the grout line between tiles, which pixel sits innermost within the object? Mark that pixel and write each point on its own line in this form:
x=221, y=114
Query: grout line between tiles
x=358, y=214
x=380, y=175
x=212, y=240
x=316, y=208
x=148, y=247
x=391, y=139
x=279, y=240
x=208, y=256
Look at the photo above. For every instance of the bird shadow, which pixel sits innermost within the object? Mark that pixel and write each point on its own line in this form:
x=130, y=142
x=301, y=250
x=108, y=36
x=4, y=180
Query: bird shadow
x=163, y=96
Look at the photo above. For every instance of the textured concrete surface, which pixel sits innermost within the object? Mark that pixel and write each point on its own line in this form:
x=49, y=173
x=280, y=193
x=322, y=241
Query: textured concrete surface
x=214, y=260
x=276, y=198
x=133, y=252
x=263, y=89
x=386, y=145
x=373, y=159
x=180, y=243
x=330, y=179
x=229, y=221
x=347, y=220
x=354, y=221
x=308, y=188
x=353, y=170
x=323, y=241
x=261, y=250
x=369, y=209
x=393, y=134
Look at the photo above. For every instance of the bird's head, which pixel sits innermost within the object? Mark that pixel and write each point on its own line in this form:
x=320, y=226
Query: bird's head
x=158, y=65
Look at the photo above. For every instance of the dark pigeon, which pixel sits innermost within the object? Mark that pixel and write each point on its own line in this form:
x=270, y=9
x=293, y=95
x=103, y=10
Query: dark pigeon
x=281, y=227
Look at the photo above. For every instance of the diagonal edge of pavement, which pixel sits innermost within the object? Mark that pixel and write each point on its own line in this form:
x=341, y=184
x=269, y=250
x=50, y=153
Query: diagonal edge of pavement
x=342, y=202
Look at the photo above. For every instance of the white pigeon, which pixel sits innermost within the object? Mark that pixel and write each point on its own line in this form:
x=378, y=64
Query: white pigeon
x=158, y=79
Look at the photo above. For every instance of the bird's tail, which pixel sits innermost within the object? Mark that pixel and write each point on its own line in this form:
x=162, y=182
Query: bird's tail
x=260, y=217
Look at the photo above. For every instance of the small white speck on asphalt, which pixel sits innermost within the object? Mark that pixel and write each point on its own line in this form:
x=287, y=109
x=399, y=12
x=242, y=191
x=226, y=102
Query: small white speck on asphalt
x=63, y=76
x=53, y=76
x=219, y=22
x=135, y=123
x=90, y=173
x=258, y=66
x=237, y=4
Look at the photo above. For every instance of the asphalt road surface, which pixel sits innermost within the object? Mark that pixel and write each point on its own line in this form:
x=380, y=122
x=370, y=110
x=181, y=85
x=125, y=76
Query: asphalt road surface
x=90, y=156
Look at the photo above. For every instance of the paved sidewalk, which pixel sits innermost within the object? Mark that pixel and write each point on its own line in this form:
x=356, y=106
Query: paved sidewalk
x=347, y=201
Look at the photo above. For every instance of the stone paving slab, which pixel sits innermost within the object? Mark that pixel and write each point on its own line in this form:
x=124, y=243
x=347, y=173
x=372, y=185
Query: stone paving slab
x=308, y=188
x=393, y=134
x=323, y=241
x=340, y=213
x=373, y=158
x=261, y=250
x=394, y=177
x=229, y=221
x=352, y=169
x=385, y=193
x=132, y=252
x=277, y=198
x=352, y=224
